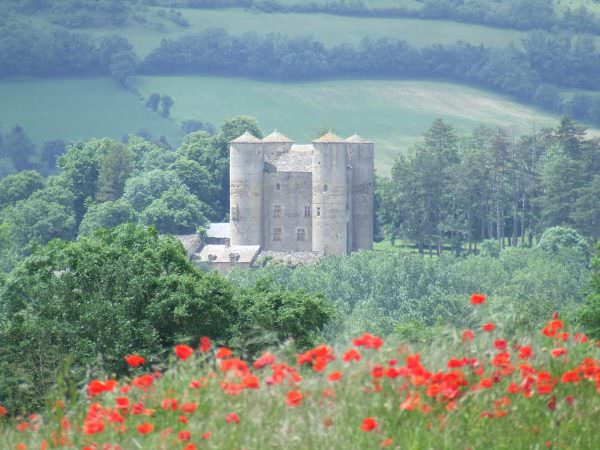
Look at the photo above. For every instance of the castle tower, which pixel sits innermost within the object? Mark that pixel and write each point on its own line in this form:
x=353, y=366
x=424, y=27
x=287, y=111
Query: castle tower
x=275, y=144
x=330, y=196
x=246, y=167
x=361, y=155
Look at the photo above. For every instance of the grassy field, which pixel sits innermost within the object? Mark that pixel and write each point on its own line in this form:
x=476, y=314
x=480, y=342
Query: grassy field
x=391, y=112
x=73, y=109
x=327, y=28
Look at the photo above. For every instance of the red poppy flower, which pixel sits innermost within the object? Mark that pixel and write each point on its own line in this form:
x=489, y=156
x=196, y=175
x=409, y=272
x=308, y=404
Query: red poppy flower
x=169, y=403
x=468, y=335
x=204, y=344
x=135, y=360
x=488, y=327
x=232, y=417
x=122, y=403
x=145, y=428
x=190, y=446
x=184, y=435
x=351, y=355
x=188, y=407
x=368, y=424
x=206, y=435
x=552, y=328
x=500, y=344
x=556, y=352
x=369, y=341
x=335, y=376
x=525, y=352
x=97, y=387
x=294, y=398
x=223, y=352
x=183, y=352
x=477, y=299
x=3, y=411
x=266, y=359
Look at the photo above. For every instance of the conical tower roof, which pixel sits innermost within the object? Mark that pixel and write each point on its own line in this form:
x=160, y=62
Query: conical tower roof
x=247, y=138
x=356, y=139
x=329, y=137
x=276, y=136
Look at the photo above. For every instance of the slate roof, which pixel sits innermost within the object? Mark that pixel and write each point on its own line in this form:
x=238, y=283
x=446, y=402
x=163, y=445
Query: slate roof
x=218, y=231
x=293, y=161
x=191, y=242
x=224, y=253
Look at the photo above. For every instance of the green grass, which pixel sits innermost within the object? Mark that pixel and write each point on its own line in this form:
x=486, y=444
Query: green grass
x=393, y=113
x=327, y=28
x=74, y=109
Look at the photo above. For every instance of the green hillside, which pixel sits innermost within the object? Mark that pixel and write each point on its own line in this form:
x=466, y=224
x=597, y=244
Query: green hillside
x=74, y=109
x=393, y=113
x=327, y=28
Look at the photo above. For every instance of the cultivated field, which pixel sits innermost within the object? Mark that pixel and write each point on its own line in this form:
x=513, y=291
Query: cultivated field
x=391, y=112
x=73, y=109
x=329, y=29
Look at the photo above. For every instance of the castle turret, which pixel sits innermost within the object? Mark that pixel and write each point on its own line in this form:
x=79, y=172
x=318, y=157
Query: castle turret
x=276, y=143
x=330, y=196
x=246, y=167
x=361, y=155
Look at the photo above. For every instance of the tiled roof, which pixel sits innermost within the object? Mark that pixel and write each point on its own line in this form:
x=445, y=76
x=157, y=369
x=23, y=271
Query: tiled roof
x=247, y=138
x=224, y=253
x=276, y=136
x=329, y=137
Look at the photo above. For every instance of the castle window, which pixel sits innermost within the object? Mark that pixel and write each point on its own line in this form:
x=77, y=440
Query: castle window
x=325, y=188
x=235, y=213
x=277, y=211
x=307, y=211
x=301, y=234
x=277, y=234
x=318, y=211
x=278, y=187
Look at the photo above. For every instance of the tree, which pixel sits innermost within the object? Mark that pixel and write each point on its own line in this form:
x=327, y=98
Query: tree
x=176, y=212
x=19, y=187
x=114, y=170
x=99, y=298
x=50, y=152
x=142, y=190
x=590, y=313
x=19, y=148
x=106, y=215
x=122, y=66
x=166, y=103
x=153, y=101
x=199, y=182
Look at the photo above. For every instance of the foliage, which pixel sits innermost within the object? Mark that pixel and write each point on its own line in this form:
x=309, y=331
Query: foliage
x=176, y=212
x=484, y=389
x=106, y=215
x=378, y=291
x=19, y=186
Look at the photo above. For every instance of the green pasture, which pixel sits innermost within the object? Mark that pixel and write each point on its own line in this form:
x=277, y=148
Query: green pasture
x=73, y=109
x=392, y=113
x=329, y=29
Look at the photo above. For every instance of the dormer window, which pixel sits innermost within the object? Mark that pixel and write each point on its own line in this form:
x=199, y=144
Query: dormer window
x=212, y=258
x=234, y=257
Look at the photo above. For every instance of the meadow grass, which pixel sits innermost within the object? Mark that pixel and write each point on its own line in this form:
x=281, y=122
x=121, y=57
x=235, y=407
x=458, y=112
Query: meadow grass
x=77, y=109
x=393, y=113
x=478, y=389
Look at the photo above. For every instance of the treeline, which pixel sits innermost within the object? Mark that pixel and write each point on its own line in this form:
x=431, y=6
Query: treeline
x=29, y=51
x=516, y=14
x=460, y=191
x=530, y=73
x=77, y=13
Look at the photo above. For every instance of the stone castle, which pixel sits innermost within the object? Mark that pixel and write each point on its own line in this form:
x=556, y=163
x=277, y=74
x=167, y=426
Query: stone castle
x=288, y=199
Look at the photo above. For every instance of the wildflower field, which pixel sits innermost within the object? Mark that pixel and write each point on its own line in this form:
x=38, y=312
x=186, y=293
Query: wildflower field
x=468, y=389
